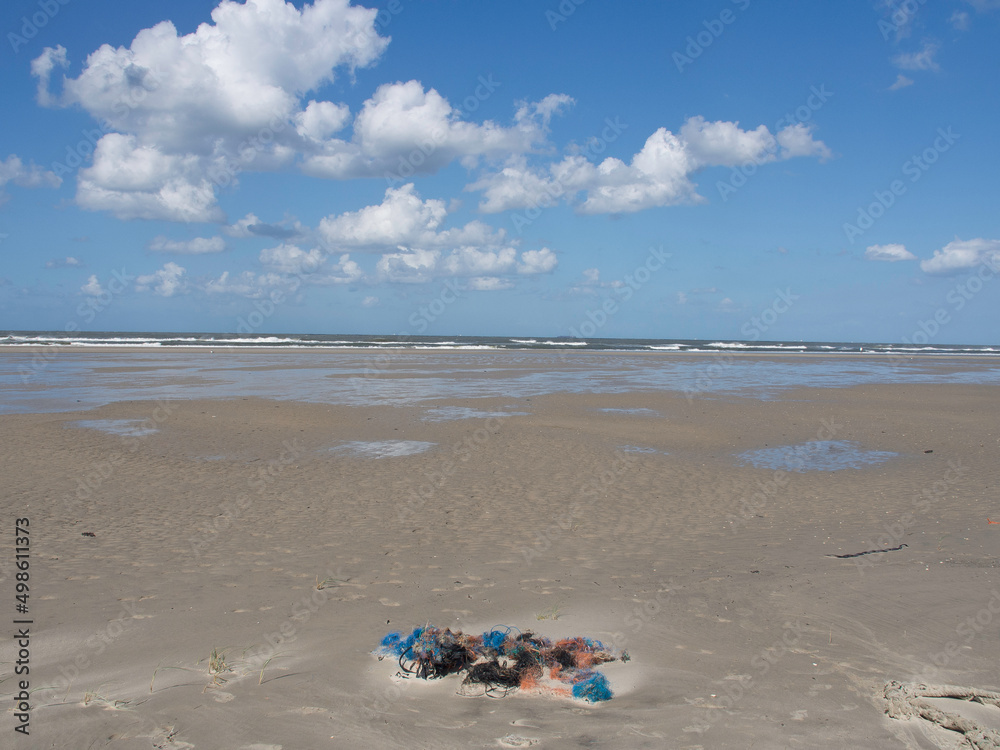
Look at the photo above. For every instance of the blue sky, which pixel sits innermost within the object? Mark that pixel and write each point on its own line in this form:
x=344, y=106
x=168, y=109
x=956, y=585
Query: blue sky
x=726, y=170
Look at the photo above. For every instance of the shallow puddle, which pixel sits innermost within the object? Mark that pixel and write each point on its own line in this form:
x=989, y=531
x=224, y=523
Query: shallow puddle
x=382, y=448
x=642, y=449
x=122, y=427
x=815, y=455
x=641, y=412
x=448, y=413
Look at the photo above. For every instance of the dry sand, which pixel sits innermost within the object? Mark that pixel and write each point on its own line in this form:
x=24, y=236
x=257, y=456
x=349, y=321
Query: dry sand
x=213, y=532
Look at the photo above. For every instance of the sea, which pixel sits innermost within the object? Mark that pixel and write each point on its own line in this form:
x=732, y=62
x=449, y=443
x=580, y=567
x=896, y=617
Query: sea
x=44, y=371
x=482, y=343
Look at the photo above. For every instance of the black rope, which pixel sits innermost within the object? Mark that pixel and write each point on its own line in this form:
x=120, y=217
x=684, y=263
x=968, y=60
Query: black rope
x=871, y=551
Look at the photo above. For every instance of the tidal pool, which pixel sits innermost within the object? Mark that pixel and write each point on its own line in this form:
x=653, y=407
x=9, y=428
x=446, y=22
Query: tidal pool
x=815, y=455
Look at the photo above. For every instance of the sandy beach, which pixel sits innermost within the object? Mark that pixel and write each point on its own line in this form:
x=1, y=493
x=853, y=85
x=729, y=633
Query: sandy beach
x=288, y=537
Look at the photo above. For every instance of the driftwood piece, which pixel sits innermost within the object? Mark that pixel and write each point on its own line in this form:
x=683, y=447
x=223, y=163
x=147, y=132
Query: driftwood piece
x=904, y=701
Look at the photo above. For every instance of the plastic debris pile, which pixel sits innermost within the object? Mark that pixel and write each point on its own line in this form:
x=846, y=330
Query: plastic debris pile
x=504, y=659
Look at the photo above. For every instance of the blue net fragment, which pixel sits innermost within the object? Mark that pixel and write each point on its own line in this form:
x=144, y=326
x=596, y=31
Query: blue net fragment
x=504, y=659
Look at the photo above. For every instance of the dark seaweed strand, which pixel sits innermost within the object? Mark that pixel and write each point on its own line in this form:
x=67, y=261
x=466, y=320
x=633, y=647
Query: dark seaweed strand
x=871, y=551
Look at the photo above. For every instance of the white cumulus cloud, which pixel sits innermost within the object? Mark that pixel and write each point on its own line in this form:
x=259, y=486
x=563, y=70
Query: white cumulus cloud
x=12, y=169
x=960, y=255
x=470, y=261
x=658, y=175
x=889, y=253
x=489, y=284
x=291, y=259
x=319, y=120
x=311, y=267
x=228, y=78
x=249, y=284
x=196, y=246
x=402, y=218
x=68, y=262
x=539, y=261
x=405, y=129
x=484, y=269
x=194, y=111
x=408, y=266
x=166, y=282
x=134, y=181
x=93, y=287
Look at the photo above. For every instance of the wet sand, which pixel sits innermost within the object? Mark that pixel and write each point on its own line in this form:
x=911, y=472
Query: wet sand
x=289, y=537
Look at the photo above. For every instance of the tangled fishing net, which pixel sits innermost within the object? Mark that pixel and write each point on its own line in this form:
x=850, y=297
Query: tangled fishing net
x=504, y=659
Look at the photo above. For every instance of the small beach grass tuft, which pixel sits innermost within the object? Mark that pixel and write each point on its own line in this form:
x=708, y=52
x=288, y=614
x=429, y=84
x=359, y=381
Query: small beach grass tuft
x=160, y=668
x=552, y=613
x=260, y=680
x=218, y=666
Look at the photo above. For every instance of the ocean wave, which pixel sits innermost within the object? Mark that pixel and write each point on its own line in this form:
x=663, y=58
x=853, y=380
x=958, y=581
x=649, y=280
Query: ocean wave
x=233, y=341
